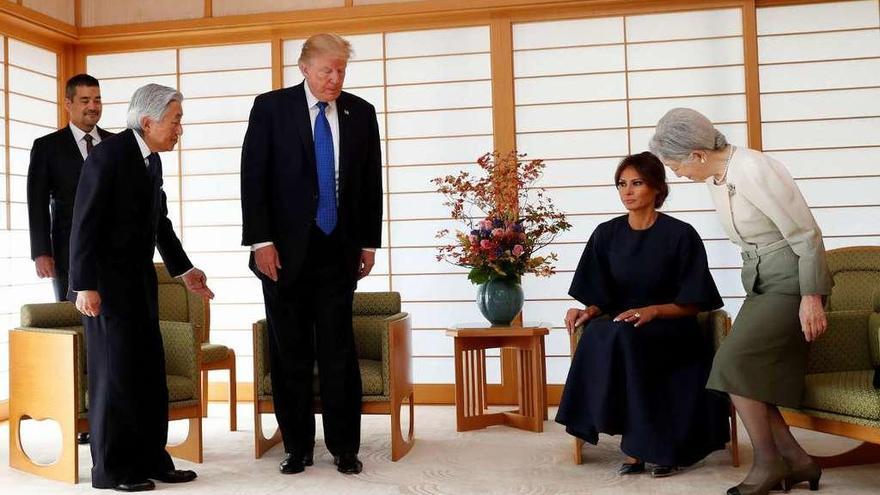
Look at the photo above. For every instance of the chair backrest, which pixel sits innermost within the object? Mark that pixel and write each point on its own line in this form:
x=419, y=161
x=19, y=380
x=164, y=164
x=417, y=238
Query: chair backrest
x=856, y=274
x=369, y=311
x=176, y=303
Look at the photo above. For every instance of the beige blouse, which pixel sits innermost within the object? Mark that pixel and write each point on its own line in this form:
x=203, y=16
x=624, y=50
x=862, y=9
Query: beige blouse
x=760, y=204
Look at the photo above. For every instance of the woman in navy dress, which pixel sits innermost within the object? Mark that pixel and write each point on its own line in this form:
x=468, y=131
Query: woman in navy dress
x=641, y=366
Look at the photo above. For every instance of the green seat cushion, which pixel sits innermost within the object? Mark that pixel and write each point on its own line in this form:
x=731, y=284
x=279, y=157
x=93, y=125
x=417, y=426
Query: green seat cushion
x=179, y=388
x=850, y=393
x=214, y=352
x=371, y=379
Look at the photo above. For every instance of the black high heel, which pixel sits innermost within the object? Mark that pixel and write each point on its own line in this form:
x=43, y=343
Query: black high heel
x=778, y=476
x=811, y=473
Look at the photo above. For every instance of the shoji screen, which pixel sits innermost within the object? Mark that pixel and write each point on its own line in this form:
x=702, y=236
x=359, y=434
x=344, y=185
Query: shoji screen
x=589, y=91
x=432, y=90
x=820, y=107
x=29, y=110
x=219, y=84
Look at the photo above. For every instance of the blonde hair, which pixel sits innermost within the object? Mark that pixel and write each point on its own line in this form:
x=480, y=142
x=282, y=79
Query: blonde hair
x=324, y=44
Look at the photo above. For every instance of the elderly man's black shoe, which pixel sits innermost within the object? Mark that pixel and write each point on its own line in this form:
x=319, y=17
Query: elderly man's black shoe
x=294, y=463
x=348, y=463
x=82, y=438
x=175, y=476
x=135, y=486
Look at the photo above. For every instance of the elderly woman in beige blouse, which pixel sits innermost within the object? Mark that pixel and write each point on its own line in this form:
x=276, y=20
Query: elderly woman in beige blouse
x=761, y=364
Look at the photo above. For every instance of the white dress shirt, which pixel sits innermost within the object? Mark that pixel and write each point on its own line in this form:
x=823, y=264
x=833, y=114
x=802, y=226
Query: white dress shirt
x=79, y=135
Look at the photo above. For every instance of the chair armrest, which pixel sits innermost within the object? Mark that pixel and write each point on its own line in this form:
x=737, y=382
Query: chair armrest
x=181, y=349
x=397, y=357
x=874, y=337
x=716, y=324
x=261, y=356
x=57, y=314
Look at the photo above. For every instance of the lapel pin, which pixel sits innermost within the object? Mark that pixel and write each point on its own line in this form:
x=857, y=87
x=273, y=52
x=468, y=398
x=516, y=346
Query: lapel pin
x=345, y=111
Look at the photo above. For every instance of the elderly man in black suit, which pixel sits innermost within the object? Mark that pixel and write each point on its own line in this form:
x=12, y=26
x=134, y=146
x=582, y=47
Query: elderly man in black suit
x=119, y=218
x=311, y=193
x=56, y=160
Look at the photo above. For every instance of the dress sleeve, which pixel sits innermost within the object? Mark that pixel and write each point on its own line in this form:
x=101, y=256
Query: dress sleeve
x=696, y=285
x=772, y=190
x=592, y=284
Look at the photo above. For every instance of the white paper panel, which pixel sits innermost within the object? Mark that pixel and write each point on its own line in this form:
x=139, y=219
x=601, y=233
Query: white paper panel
x=726, y=108
x=23, y=135
x=229, y=135
x=437, y=96
x=211, y=161
x=251, y=56
x=203, y=187
x=360, y=74
x=822, y=134
x=113, y=115
x=132, y=64
x=205, y=213
x=838, y=192
x=579, y=144
x=568, y=33
x=364, y=47
x=437, y=42
x=821, y=104
x=681, y=25
x=560, y=117
x=432, y=343
x=2, y=48
x=247, y=82
x=292, y=76
x=421, y=260
x=839, y=242
x=32, y=57
x=226, y=265
x=374, y=96
x=33, y=111
x=695, y=53
x=819, y=46
x=18, y=188
x=214, y=239
x=577, y=60
x=820, y=75
x=418, y=205
x=436, y=69
x=170, y=163
x=419, y=233
x=418, y=179
x=687, y=82
x=120, y=90
x=18, y=217
x=32, y=84
x=234, y=108
x=440, y=123
x=438, y=150
x=19, y=160
x=829, y=163
x=819, y=17
x=579, y=172
x=848, y=221
x=595, y=87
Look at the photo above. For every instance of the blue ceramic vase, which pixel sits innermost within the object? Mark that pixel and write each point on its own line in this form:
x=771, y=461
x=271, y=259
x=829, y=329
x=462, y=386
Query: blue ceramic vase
x=500, y=300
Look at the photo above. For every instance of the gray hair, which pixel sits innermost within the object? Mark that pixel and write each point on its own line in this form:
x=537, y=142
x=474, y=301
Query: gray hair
x=682, y=131
x=150, y=101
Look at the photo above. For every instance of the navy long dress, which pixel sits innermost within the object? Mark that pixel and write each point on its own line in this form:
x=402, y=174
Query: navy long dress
x=647, y=383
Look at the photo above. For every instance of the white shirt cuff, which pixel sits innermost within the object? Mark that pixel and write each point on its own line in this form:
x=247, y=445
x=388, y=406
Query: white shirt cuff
x=261, y=245
x=371, y=250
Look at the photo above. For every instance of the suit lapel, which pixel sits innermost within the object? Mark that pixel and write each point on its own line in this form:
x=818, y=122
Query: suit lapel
x=303, y=123
x=72, y=148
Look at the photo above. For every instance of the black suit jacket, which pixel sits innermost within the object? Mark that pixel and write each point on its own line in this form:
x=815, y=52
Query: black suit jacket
x=51, y=187
x=119, y=218
x=279, y=180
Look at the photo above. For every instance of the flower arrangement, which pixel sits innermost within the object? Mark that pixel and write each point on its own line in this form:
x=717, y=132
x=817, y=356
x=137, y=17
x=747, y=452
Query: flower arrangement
x=513, y=219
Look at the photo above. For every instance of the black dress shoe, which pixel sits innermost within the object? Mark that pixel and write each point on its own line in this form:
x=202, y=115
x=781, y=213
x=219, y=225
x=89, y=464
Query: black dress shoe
x=294, y=463
x=631, y=468
x=175, y=476
x=348, y=463
x=660, y=471
x=82, y=438
x=135, y=486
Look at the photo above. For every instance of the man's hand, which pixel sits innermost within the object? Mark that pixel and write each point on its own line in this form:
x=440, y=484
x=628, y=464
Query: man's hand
x=195, y=281
x=45, y=266
x=368, y=259
x=812, y=316
x=267, y=261
x=88, y=302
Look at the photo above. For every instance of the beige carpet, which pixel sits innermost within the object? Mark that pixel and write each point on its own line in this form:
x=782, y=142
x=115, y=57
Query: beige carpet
x=498, y=460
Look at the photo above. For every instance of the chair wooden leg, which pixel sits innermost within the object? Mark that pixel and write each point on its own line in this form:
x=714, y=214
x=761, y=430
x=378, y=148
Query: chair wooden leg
x=578, y=451
x=734, y=438
x=204, y=393
x=233, y=400
x=261, y=443
x=400, y=446
x=191, y=448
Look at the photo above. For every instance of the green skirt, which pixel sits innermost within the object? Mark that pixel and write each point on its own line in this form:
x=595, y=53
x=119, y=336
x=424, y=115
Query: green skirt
x=765, y=356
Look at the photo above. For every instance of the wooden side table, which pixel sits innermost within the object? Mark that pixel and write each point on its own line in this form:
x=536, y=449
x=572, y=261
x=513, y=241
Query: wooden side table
x=471, y=342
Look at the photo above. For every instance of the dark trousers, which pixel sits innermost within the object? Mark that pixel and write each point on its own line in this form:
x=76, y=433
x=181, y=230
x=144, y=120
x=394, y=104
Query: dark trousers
x=128, y=399
x=59, y=283
x=309, y=318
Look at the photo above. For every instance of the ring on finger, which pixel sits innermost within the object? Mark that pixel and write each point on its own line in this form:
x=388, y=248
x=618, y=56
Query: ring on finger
x=637, y=314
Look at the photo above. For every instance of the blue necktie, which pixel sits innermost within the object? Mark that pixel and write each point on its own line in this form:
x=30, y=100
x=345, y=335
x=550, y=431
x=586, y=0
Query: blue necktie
x=326, y=215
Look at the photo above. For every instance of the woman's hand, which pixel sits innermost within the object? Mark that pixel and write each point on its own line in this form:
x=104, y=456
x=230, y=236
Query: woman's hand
x=575, y=317
x=812, y=315
x=638, y=316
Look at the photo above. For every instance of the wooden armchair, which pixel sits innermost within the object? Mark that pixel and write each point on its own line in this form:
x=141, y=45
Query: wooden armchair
x=717, y=324
x=178, y=304
x=842, y=395
x=47, y=381
x=382, y=338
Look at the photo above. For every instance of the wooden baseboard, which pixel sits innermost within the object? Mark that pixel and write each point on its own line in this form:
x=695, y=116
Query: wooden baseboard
x=425, y=393
x=4, y=410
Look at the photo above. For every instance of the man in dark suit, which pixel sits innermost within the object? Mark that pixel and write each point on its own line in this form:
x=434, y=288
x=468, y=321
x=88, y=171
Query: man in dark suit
x=56, y=160
x=119, y=218
x=312, y=211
